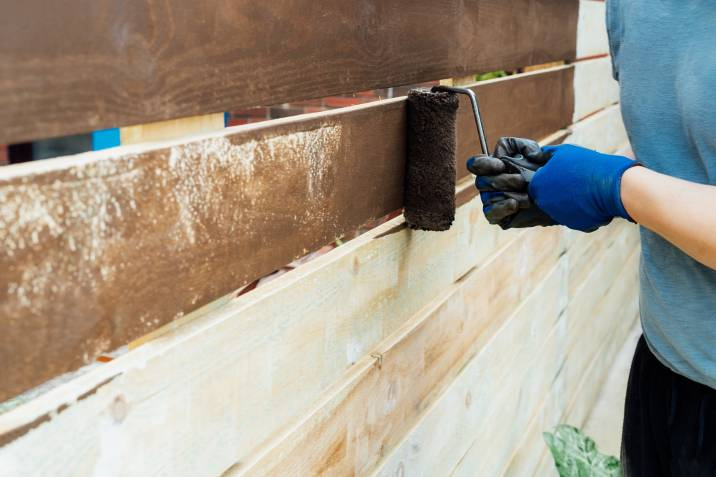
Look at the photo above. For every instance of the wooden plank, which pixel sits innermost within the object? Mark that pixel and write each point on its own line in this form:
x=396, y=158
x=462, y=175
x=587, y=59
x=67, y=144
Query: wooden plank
x=594, y=87
x=532, y=456
x=492, y=451
x=526, y=347
x=605, y=419
x=101, y=248
x=369, y=412
x=172, y=129
x=275, y=351
x=437, y=441
x=603, y=131
x=529, y=118
x=70, y=68
x=263, y=377
x=591, y=29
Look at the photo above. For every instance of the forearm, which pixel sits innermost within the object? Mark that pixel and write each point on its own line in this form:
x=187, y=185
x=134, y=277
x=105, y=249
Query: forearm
x=682, y=212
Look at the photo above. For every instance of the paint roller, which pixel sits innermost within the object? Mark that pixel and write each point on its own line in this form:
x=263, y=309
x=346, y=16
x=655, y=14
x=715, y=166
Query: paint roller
x=429, y=194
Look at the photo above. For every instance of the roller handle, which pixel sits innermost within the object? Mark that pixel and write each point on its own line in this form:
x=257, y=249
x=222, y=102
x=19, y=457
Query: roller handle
x=475, y=110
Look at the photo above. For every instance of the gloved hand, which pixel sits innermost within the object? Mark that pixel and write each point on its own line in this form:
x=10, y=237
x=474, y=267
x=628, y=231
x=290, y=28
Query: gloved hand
x=580, y=188
x=503, y=180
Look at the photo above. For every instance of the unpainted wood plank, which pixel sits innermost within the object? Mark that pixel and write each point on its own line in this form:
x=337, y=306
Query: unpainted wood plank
x=543, y=66
x=592, y=29
x=102, y=248
x=498, y=382
x=619, y=320
x=92, y=64
x=532, y=456
x=594, y=87
x=491, y=452
x=369, y=412
x=437, y=441
x=171, y=129
x=603, y=131
x=621, y=317
x=606, y=417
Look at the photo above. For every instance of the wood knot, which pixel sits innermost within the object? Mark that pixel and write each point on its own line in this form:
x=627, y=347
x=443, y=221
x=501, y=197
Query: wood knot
x=378, y=359
x=119, y=409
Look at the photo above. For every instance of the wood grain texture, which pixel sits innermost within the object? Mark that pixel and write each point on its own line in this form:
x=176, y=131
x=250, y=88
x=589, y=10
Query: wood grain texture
x=532, y=344
x=531, y=456
x=446, y=429
x=91, y=64
x=603, y=131
x=171, y=129
x=592, y=29
x=369, y=412
x=102, y=248
x=492, y=452
x=274, y=353
x=594, y=87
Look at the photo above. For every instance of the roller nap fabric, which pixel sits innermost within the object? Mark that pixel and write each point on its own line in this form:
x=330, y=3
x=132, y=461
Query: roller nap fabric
x=430, y=169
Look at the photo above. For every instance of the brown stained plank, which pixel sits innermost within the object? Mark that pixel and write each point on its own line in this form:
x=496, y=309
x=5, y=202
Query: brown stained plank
x=70, y=67
x=102, y=248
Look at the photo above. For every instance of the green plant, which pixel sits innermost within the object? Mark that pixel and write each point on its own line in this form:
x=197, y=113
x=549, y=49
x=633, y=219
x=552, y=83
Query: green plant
x=576, y=454
x=490, y=75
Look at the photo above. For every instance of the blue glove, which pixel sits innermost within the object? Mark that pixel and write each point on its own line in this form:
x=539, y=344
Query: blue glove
x=580, y=188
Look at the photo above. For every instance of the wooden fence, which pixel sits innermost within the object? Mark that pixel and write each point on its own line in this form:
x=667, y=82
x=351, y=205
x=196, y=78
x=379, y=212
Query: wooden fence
x=397, y=353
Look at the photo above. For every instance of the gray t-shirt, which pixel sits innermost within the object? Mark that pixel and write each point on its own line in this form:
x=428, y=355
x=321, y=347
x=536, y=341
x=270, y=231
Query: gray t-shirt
x=664, y=56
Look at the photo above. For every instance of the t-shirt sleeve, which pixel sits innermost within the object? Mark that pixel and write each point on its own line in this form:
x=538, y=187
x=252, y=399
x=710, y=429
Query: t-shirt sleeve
x=615, y=32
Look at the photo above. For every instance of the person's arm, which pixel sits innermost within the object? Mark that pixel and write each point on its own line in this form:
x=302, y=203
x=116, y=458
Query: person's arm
x=682, y=212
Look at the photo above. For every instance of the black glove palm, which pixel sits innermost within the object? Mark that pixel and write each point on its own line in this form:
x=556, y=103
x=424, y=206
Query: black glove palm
x=503, y=181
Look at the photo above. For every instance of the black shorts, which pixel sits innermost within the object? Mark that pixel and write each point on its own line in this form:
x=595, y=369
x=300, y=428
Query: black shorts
x=669, y=422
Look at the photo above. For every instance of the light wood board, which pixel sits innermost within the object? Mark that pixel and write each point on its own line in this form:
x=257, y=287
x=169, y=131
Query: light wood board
x=591, y=29
x=594, y=87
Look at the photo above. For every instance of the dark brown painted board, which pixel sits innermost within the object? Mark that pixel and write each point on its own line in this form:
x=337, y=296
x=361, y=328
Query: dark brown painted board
x=102, y=248
x=71, y=67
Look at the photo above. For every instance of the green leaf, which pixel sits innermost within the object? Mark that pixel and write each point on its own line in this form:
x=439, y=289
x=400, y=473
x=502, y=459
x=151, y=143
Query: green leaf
x=490, y=75
x=576, y=455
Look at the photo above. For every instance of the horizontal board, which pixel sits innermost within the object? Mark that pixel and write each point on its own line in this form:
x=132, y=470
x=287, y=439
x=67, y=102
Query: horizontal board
x=603, y=131
x=438, y=440
x=276, y=350
x=102, y=248
x=172, y=129
x=527, y=346
x=532, y=456
x=491, y=451
x=605, y=419
x=91, y=64
x=594, y=87
x=591, y=29
x=369, y=412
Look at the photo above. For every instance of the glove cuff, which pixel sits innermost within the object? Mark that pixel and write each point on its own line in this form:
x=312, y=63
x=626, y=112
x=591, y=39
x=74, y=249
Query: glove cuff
x=618, y=209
